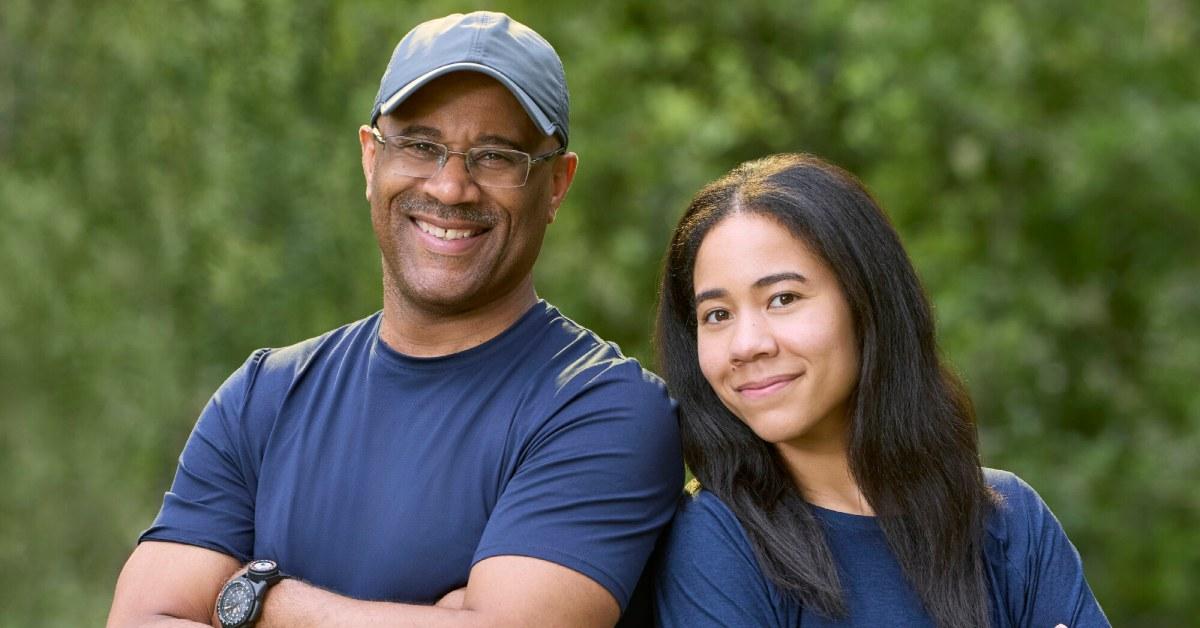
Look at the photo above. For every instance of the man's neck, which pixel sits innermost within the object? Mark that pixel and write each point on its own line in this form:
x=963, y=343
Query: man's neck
x=419, y=332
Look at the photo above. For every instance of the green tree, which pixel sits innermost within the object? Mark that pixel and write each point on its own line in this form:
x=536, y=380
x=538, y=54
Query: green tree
x=179, y=184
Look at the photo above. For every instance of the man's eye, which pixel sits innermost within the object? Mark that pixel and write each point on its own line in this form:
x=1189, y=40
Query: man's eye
x=421, y=150
x=495, y=158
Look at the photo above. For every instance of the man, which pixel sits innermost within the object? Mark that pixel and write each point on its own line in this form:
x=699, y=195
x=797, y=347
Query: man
x=468, y=446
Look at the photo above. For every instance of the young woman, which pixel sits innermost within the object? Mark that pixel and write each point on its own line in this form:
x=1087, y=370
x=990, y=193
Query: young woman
x=837, y=458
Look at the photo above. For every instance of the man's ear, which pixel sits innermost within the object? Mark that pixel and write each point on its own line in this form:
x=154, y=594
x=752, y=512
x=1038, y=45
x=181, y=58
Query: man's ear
x=564, y=174
x=367, y=140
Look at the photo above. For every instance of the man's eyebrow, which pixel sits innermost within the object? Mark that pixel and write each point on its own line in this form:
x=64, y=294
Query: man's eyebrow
x=491, y=139
x=420, y=130
x=494, y=140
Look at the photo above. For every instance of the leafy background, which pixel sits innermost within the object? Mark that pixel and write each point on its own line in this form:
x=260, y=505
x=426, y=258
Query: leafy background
x=179, y=184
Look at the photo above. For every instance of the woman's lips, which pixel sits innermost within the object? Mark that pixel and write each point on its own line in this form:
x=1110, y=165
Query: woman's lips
x=766, y=386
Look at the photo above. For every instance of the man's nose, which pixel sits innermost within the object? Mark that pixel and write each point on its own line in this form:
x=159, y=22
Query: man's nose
x=452, y=183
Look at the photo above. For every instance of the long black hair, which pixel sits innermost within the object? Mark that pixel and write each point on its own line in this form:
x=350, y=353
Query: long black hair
x=912, y=444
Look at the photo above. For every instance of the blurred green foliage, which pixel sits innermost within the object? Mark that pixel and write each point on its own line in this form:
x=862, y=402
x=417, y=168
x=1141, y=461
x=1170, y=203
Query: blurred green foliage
x=180, y=184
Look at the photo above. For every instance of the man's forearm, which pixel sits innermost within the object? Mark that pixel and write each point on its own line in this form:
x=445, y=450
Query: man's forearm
x=295, y=604
x=162, y=622
x=504, y=591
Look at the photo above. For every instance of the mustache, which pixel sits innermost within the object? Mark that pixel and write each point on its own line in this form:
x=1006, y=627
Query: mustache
x=465, y=213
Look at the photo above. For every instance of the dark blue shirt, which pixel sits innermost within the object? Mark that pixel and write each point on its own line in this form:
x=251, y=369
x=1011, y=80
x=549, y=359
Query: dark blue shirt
x=708, y=574
x=386, y=477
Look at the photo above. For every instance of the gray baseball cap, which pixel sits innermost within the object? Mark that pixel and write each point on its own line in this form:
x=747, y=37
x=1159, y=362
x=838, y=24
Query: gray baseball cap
x=491, y=43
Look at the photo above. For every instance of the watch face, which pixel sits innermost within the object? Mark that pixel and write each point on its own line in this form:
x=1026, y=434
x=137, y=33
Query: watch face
x=236, y=602
x=262, y=566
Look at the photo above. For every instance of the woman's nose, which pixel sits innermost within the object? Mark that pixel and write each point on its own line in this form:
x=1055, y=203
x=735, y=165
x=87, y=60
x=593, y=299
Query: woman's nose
x=752, y=339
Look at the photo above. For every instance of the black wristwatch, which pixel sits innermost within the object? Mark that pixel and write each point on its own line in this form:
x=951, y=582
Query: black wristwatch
x=241, y=599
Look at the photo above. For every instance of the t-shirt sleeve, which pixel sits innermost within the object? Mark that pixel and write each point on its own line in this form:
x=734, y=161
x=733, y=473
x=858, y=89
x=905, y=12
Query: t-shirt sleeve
x=211, y=501
x=596, y=481
x=1051, y=587
x=706, y=573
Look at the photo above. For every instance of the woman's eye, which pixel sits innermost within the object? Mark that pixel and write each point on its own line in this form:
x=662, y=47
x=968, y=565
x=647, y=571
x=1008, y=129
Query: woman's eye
x=781, y=300
x=716, y=316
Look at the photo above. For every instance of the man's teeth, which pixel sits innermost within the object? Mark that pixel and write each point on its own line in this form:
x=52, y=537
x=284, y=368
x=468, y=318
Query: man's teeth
x=445, y=234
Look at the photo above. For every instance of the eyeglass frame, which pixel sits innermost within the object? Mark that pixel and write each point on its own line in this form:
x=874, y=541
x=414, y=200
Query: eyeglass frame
x=530, y=160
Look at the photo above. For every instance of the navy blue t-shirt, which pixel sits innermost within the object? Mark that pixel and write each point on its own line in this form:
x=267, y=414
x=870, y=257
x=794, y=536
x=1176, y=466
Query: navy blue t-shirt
x=386, y=477
x=708, y=574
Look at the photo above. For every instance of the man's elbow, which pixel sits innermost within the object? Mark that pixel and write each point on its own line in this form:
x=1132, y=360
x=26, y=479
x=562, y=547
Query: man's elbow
x=169, y=585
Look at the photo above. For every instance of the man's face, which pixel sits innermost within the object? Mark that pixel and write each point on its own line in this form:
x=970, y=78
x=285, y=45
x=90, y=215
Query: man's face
x=450, y=245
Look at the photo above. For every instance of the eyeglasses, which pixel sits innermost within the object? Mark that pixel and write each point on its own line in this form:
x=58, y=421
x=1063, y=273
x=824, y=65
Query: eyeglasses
x=489, y=167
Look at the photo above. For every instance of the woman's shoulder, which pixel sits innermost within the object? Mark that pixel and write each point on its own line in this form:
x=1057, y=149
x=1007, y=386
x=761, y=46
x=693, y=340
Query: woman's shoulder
x=1021, y=522
x=706, y=534
x=701, y=514
x=1035, y=571
x=1010, y=492
x=1014, y=499
x=707, y=573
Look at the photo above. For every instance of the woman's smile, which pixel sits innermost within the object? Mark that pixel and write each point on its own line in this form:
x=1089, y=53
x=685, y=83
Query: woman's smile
x=765, y=387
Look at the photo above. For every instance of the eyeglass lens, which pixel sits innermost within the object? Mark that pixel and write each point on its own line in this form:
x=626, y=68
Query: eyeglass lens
x=492, y=167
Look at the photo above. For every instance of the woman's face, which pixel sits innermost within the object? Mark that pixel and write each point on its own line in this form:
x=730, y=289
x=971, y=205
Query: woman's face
x=775, y=335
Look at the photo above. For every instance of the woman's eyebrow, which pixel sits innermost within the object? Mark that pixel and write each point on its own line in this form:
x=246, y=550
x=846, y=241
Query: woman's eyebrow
x=778, y=277
x=717, y=293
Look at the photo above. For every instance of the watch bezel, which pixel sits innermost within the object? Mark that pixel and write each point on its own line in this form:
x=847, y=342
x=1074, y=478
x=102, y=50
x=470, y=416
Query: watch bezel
x=262, y=569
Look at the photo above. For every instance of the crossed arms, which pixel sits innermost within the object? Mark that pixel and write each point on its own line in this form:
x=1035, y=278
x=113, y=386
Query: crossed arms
x=167, y=585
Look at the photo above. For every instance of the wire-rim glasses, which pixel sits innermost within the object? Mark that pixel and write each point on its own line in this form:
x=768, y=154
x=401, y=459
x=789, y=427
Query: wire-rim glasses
x=488, y=166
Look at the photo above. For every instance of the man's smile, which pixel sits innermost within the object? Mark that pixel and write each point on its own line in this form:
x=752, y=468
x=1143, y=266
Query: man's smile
x=446, y=234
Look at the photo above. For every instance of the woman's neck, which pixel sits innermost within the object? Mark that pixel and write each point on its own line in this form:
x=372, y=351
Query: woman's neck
x=822, y=472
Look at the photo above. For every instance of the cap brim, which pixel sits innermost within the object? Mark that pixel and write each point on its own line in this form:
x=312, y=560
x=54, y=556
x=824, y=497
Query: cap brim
x=535, y=113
